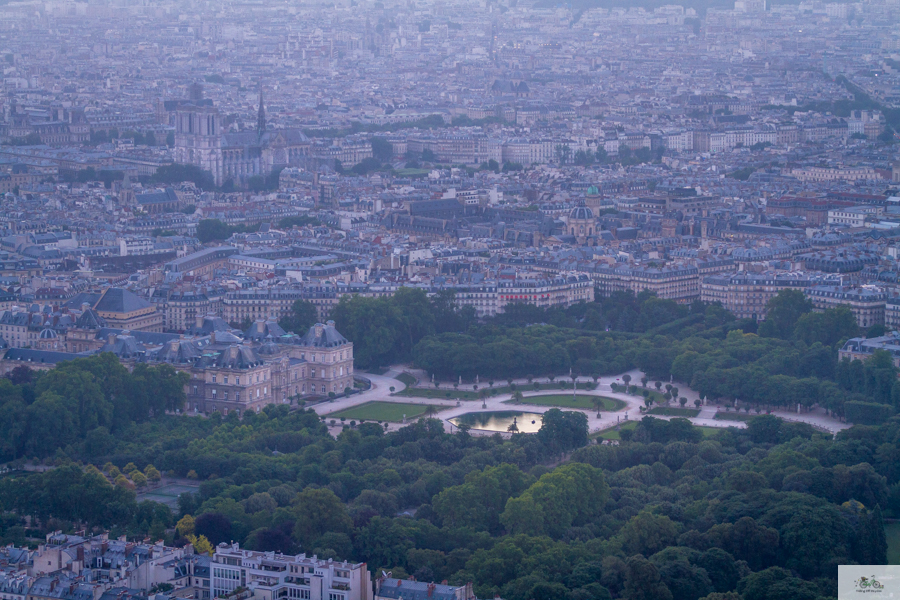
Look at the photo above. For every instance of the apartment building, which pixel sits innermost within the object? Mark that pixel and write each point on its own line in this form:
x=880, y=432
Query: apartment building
x=829, y=174
x=182, y=309
x=557, y=291
x=855, y=216
x=867, y=303
x=680, y=282
x=481, y=297
x=273, y=576
x=746, y=294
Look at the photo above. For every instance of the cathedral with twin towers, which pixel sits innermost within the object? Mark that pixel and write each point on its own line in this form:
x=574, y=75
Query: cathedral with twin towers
x=236, y=156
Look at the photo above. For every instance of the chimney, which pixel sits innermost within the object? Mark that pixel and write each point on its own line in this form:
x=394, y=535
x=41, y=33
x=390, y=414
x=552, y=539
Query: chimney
x=430, y=590
x=319, y=329
x=80, y=555
x=198, y=321
x=111, y=338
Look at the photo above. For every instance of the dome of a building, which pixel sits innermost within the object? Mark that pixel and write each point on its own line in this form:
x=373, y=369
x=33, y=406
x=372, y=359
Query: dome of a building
x=581, y=213
x=48, y=334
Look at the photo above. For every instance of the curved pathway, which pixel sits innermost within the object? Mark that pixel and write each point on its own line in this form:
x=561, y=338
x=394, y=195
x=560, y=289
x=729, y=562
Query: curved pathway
x=381, y=385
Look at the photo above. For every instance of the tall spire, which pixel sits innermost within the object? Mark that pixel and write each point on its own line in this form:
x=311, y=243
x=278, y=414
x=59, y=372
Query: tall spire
x=261, y=116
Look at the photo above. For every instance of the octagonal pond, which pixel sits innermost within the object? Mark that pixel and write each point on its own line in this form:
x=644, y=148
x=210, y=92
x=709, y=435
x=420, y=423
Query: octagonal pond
x=525, y=422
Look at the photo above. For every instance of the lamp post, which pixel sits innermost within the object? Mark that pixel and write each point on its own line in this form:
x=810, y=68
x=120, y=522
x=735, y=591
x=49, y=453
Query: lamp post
x=574, y=385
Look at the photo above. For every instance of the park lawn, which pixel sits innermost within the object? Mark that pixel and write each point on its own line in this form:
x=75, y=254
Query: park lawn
x=566, y=401
x=380, y=411
x=892, y=531
x=710, y=431
x=411, y=172
x=406, y=379
x=672, y=411
x=612, y=434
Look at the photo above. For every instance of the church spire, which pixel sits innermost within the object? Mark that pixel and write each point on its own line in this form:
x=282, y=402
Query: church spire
x=261, y=116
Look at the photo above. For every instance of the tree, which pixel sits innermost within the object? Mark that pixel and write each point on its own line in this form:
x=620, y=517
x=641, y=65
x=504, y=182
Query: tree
x=209, y=230
x=318, y=511
x=21, y=375
x=201, y=544
x=682, y=401
x=517, y=397
x=563, y=431
x=572, y=494
x=177, y=173
x=642, y=581
x=776, y=583
x=152, y=473
x=783, y=311
x=563, y=153
x=583, y=158
x=214, y=526
x=626, y=378
x=829, y=327
x=647, y=533
x=382, y=149
x=303, y=315
x=185, y=526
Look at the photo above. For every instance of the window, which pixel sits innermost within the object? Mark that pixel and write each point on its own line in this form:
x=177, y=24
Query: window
x=225, y=379
x=214, y=378
x=214, y=394
x=226, y=395
x=333, y=596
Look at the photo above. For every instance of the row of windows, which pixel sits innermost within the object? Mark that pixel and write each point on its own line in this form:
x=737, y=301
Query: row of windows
x=226, y=574
x=237, y=379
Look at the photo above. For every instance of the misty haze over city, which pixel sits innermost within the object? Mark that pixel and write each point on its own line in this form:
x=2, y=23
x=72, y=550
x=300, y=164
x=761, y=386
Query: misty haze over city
x=510, y=299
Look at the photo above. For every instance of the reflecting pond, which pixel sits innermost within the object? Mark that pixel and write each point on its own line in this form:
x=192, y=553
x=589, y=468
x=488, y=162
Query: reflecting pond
x=525, y=422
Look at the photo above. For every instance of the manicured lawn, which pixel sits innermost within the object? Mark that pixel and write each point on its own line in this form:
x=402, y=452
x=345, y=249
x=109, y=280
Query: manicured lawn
x=411, y=172
x=566, y=401
x=710, y=431
x=730, y=416
x=892, y=531
x=380, y=411
x=406, y=378
x=672, y=411
x=612, y=434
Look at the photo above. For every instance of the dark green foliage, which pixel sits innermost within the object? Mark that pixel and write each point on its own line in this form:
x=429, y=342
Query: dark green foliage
x=867, y=413
x=765, y=512
x=385, y=330
x=303, y=316
x=288, y=222
x=176, y=173
x=210, y=230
